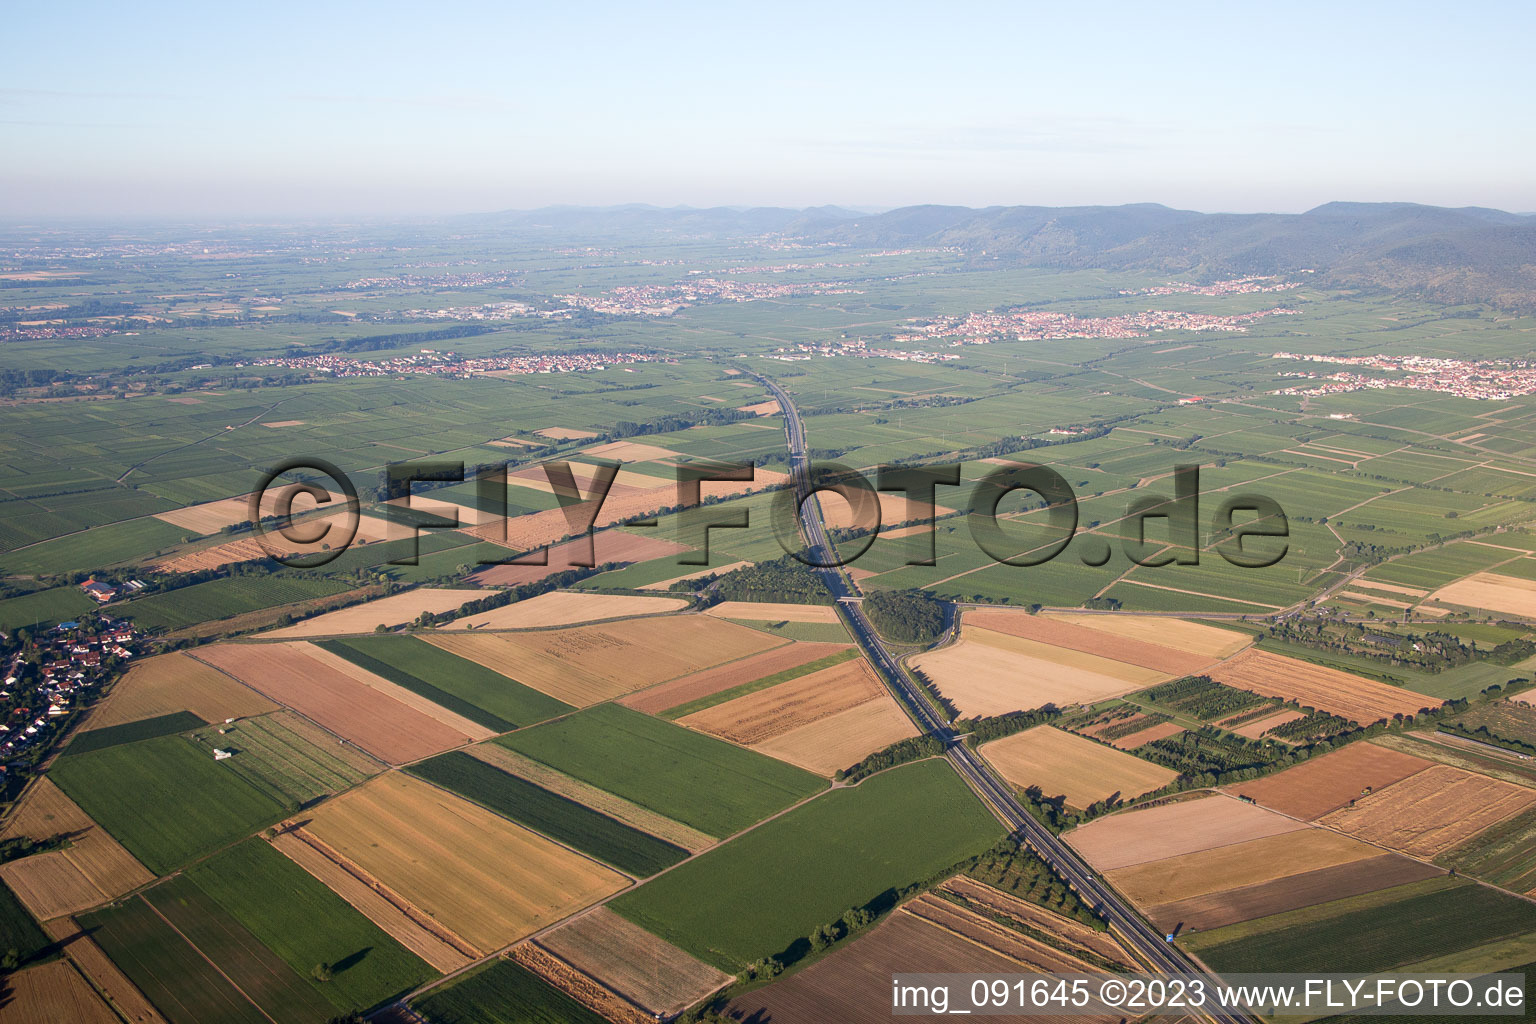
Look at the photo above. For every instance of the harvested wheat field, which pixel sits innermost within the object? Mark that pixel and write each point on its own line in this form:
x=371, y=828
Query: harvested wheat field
x=564, y=608
x=176, y=682
x=999, y=938
x=1227, y=867
x=841, y=740
x=764, y=714
x=755, y=611
x=564, y=433
x=611, y=804
x=735, y=673
x=604, y=1003
x=335, y=700
x=1191, y=637
x=1431, y=811
x=1063, y=763
x=761, y=408
x=894, y=509
x=453, y=512
x=1141, y=737
x=1290, y=892
x=92, y=870
x=1257, y=727
x=1492, y=592
x=607, y=546
x=213, y=516
x=390, y=611
x=1315, y=686
x=585, y=665
x=415, y=701
x=646, y=970
x=990, y=673
x=1174, y=829
x=1059, y=632
x=631, y=451
x=1319, y=785
x=719, y=570
x=52, y=993
x=384, y=909
x=1031, y=915
x=481, y=876
x=369, y=530
x=97, y=966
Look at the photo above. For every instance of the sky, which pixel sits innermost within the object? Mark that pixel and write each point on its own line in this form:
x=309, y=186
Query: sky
x=385, y=109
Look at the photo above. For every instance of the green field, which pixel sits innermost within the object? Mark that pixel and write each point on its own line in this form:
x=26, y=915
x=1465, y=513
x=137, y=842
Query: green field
x=808, y=632
x=502, y=993
x=273, y=754
x=17, y=929
x=130, y=732
x=479, y=694
x=43, y=608
x=99, y=547
x=306, y=924
x=566, y=821
x=220, y=599
x=164, y=799
x=760, y=684
x=759, y=894
x=184, y=987
x=1374, y=933
x=698, y=780
x=1504, y=854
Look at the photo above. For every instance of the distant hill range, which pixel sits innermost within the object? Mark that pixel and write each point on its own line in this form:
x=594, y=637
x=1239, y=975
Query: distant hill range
x=1449, y=255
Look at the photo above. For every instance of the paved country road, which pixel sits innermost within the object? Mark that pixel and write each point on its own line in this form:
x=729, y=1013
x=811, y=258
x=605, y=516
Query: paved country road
x=1147, y=941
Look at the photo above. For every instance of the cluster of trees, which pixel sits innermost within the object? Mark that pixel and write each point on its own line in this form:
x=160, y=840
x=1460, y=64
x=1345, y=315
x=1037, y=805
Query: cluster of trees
x=984, y=730
x=913, y=748
x=1015, y=868
x=907, y=616
x=785, y=579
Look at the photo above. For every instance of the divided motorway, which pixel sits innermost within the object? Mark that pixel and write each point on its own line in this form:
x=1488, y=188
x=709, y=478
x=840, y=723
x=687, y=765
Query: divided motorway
x=1147, y=941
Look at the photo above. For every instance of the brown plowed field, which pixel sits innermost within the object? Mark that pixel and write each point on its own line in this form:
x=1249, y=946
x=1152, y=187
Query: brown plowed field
x=990, y=673
x=1431, y=811
x=586, y=990
x=1171, y=830
x=841, y=740
x=765, y=714
x=1315, y=686
x=1291, y=892
x=335, y=701
x=564, y=607
x=767, y=611
x=53, y=993
x=639, y=966
x=1141, y=737
x=1227, y=867
x=483, y=877
x=1191, y=637
x=1060, y=633
x=642, y=818
x=1063, y=763
x=853, y=986
x=1075, y=932
x=1322, y=784
x=747, y=670
x=96, y=965
x=607, y=546
x=415, y=701
x=585, y=665
x=391, y=611
x=176, y=682
x=388, y=913
x=92, y=870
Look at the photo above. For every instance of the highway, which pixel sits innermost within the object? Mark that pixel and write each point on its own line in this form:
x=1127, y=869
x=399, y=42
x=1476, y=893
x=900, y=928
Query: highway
x=1137, y=934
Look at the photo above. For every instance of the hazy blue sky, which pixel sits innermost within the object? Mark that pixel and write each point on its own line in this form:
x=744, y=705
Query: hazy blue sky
x=316, y=108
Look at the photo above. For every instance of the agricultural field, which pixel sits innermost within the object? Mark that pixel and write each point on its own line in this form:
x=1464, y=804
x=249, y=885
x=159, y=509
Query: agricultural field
x=608, y=547
x=1506, y=723
x=1174, y=829
x=174, y=682
x=705, y=783
x=1180, y=634
x=487, y=698
x=288, y=757
x=221, y=599
x=564, y=608
x=566, y=821
x=132, y=732
x=585, y=665
x=390, y=611
x=762, y=893
x=503, y=992
x=1317, y=786
x=991, y=673
x=43, y=608
x=1064, y=764
x=1492, y=592
x=335, y=700
x=1375, y=932
x=164, y=799
x=651, y=973
x=1315, y=686
x=91, y=870
x=1504, y=854
x=777, y=663
x=479, y=876
x=756, y=611
x=1431, y=811
x=52, y=992
x=1060, y=632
